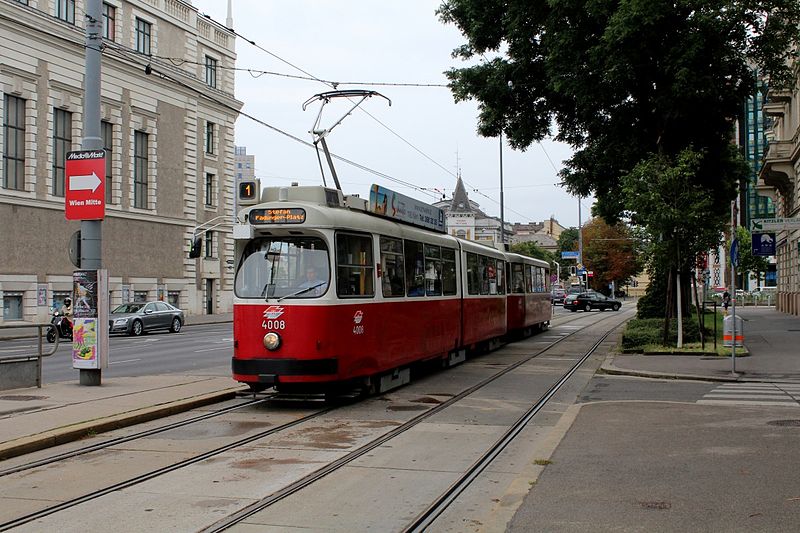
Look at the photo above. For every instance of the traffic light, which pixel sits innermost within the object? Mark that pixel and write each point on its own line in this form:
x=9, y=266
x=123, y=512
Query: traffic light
x=248, y=192
x=572, y=271
x=196, y=247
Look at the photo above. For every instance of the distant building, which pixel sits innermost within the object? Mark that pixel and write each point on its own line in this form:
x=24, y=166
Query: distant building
x=168, y=111
x=752, y=140
x=245, y=164
x=544, y=234
x=465, y=219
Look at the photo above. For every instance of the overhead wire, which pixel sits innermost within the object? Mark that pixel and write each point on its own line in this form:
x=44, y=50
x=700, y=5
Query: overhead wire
x=132, y=54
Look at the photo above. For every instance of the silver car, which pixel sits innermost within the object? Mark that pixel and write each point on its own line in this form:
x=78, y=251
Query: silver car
x=137, y=317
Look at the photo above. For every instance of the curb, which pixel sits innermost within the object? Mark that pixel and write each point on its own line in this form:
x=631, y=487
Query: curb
x=80, y=430
x=608, y=368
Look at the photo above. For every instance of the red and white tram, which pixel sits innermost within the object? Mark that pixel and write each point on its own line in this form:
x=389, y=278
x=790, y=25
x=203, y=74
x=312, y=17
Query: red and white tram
x=331, y=291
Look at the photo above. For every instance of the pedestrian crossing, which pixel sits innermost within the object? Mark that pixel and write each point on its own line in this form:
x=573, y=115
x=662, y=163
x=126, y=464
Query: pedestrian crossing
x=780, y=394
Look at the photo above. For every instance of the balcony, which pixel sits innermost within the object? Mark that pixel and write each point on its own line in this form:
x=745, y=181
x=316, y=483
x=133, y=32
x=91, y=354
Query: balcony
x=778, y=171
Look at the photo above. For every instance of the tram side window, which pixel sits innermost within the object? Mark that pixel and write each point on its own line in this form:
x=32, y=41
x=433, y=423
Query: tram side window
x=354, y=266
x=528, y=278
x=517, y=278
x=433, y=270
x=392, y=267
x=473, y=275
x=415, y=268
x=501, y=277
x=449, y=283
x=490, y=274
x=539, y=279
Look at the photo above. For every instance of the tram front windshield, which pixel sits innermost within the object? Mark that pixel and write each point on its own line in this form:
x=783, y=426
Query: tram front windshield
x=283, y=267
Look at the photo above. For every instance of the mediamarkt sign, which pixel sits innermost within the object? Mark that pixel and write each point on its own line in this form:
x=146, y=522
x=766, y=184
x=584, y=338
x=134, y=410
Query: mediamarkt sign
x=85, y=185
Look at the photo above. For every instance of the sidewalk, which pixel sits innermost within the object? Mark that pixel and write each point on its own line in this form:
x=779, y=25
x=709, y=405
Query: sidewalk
x=658, y=465
x=772, y=338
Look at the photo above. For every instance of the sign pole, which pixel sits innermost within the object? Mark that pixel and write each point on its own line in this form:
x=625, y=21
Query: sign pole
x=91, y=230
x=734, y=260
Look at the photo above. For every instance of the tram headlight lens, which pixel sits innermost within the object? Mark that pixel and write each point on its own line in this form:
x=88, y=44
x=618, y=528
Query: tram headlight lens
x=272, y=341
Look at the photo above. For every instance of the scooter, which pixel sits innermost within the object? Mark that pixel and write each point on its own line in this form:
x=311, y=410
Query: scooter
x=60, y=326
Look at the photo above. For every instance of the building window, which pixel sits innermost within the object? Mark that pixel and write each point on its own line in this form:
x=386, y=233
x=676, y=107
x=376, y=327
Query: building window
x=143, y=34
x=65, y=10
x=107, y=131
x=209, y=244
x=209, y=189
x=62, y=142
x=139, y=296
x=109, y=21
x=14, y=143
x=211, y=72
x=174, y=298
x=209, y=137
x=12, y=306
x=140, y=147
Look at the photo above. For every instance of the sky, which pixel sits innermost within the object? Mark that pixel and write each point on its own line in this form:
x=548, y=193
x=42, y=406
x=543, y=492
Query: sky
x=424, y=138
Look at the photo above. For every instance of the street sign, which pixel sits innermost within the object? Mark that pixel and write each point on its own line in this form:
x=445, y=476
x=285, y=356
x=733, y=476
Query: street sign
x=569, y=255
x=735, y=252
x=774, y=224
x=764, y=244
x=590, y=273
x=85, y=179
x=580, y=271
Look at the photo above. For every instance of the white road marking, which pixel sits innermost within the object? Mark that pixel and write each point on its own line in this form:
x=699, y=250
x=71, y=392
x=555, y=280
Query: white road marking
x=123, y=362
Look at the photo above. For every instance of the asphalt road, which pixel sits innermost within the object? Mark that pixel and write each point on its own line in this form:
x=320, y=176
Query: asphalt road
x=201, y=348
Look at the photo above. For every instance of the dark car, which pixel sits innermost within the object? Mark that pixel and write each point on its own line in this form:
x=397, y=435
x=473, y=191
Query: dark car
x=137, y=317
x=590, y=300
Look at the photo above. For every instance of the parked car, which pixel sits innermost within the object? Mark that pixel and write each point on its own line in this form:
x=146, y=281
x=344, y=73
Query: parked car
x=135, y=318
x=590, y=300
x=557, y=295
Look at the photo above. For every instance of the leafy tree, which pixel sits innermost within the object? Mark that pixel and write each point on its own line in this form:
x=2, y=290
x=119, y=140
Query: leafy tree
x=635, y=87
x=531, y=249
x=620, y=80
x=610, y=252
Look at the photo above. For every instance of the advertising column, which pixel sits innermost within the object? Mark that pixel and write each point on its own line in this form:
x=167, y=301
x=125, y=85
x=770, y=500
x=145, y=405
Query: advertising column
x=90, y=315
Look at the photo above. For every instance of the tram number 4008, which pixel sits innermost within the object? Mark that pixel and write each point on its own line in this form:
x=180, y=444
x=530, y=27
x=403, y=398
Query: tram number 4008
x=273, y=324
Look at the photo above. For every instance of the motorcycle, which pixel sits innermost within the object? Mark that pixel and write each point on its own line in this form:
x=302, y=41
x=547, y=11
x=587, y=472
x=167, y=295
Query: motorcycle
x=60, y=326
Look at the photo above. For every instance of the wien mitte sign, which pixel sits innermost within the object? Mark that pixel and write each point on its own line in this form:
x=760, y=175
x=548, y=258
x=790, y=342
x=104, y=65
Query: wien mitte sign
x=85, y=187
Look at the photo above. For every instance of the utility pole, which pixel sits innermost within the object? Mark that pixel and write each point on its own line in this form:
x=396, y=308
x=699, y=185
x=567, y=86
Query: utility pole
x=91, y=230
x=580, y=242
x=502, y=213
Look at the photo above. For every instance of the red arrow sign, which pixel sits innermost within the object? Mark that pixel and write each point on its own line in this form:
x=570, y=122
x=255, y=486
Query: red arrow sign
x=85, y=175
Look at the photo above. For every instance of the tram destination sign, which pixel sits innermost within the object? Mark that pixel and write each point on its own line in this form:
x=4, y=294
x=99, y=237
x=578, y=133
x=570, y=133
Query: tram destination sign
x=387, y=203
x=766, y=225
x=291, y=215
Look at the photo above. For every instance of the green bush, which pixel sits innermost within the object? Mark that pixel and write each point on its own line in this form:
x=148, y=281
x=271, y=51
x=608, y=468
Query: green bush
x=643, y=331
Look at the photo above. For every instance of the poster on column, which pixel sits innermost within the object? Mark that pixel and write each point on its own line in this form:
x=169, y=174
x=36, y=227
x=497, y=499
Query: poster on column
x=90, y=312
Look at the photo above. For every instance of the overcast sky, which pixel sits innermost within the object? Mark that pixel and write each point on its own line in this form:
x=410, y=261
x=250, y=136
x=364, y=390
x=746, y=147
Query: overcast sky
x=388, y=42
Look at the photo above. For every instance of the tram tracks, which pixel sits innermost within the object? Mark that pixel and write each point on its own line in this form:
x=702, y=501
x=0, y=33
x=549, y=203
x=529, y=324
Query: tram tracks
x=440, y=504
x=292, y=487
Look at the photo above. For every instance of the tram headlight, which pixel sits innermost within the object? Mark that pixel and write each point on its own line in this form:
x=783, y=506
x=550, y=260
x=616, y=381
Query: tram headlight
x=272, y=341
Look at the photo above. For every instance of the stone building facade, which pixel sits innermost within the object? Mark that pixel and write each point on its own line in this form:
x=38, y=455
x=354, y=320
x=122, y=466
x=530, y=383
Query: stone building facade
x=778, y=179
x=167, y=111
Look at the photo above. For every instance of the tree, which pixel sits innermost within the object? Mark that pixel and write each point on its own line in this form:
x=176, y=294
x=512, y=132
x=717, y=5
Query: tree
x=632, y=86
x=622, y=81
x=610, y=252
x=531, y=249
